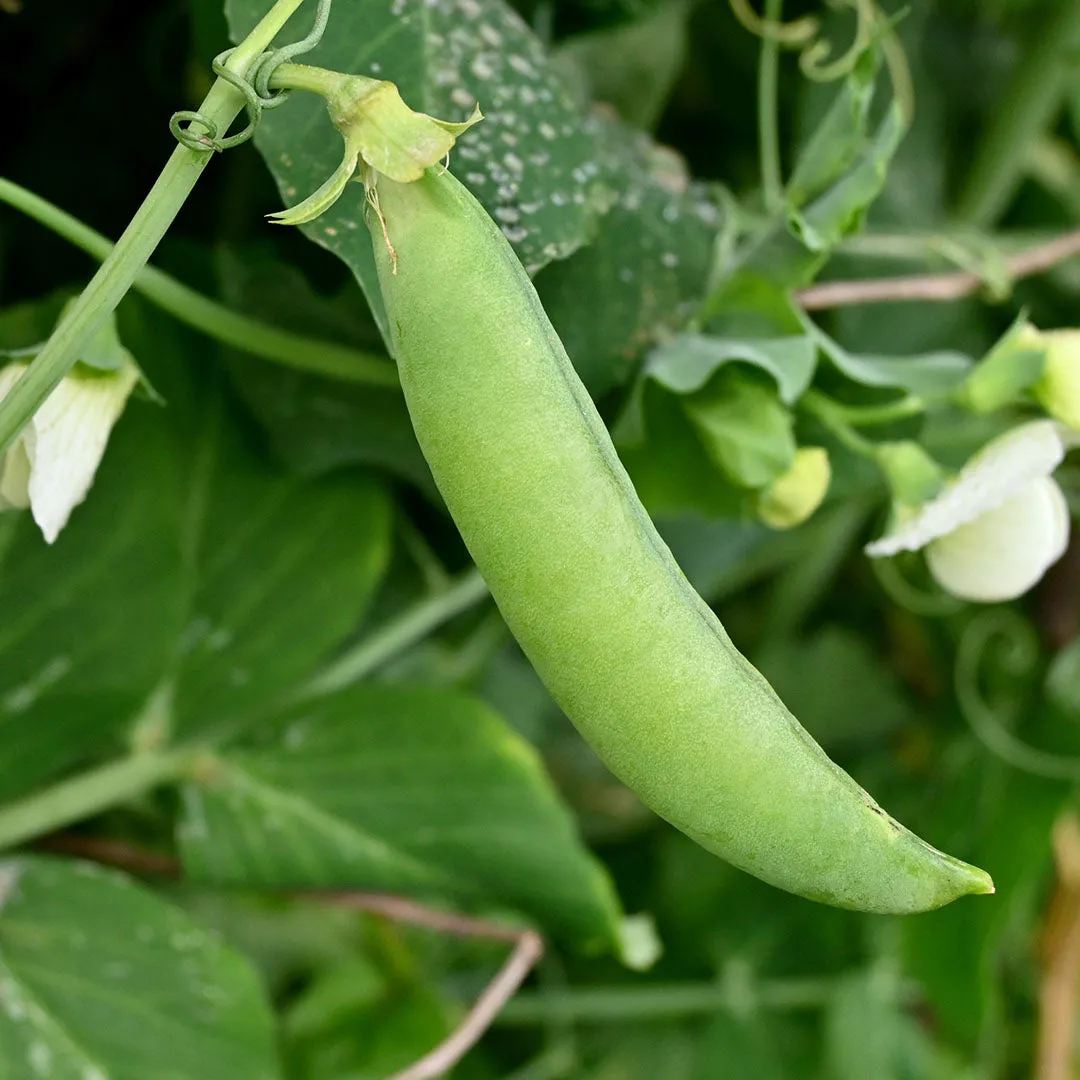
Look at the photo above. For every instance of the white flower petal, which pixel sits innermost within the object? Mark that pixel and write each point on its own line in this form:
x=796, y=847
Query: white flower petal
x=997, y=473
x=1005, y=551
x=68, y=440
x=15, y=477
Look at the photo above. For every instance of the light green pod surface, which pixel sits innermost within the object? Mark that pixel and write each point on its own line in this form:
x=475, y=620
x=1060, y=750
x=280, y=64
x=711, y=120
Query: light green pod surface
x=628, y=649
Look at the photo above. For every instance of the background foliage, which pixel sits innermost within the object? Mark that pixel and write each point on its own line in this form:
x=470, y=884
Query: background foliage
x=266, y=522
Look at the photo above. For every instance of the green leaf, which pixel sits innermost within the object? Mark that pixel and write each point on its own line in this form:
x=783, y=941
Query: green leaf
x=90, y=622
x=387, y=787
x=193, y=564
x=277, y=569
x=101, y=980
x=317, y=424
x=841, y=210
x=644, y=270
x=671, y=470
x=930, y=374
x=532, y=162
x=745, y=429
x=839, y=137
x=685, y=364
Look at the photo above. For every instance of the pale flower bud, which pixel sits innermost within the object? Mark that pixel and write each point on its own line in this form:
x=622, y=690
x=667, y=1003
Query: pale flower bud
x=51, y=465
x=1058, y=388
x=793, y=496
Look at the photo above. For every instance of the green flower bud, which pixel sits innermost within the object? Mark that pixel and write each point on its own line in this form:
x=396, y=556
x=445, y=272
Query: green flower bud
x=794, y=496
x=1058, y=388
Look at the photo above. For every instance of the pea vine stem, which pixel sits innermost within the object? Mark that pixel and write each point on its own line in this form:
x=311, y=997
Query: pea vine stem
x=90, y=793
x=772, y=183
x=143, y=234
x=230, y=327
x=833, y=416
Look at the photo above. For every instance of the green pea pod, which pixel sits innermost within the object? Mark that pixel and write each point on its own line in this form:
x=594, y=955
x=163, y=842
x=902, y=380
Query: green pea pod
x=628, y=649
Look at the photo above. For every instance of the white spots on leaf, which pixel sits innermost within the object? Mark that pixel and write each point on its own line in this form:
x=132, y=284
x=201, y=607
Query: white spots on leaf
x=547, y=130
x=22, y=697
x=482, y=67
x=12, y=1001
x=40, y=1058
x=522, y=66
x=462, y=98
x=669, y=259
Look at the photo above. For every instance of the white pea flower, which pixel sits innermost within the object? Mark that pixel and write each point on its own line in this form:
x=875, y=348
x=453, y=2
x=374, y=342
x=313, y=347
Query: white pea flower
x=997, y=527
x=51, y=465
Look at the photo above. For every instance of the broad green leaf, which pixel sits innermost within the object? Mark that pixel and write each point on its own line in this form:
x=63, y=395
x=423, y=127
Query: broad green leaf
x=745, y=429
x=645, y=268
x=670, y=467
x=386, y=787
x=88, y=622
x=931, y=374
x=194, y=564
x=840, y=135
x=102, y=980
x=317, y=424
x=841, y=210
x=685, y=364
x=278, y=569
x=532, y=162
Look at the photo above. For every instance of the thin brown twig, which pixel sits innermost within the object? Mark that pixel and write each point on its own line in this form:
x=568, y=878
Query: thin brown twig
x=935, y=287
x=1059, y=984
x=402, y=909
x=528, y=944
x=118, y=853
x=527, y=951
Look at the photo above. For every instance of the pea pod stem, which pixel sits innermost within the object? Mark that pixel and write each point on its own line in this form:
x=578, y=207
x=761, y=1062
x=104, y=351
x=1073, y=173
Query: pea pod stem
x=144, y=232
x=315, y=355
